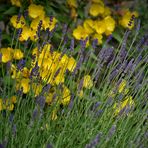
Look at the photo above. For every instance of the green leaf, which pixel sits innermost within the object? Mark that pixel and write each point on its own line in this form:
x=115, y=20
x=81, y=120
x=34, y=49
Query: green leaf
x=10, y=11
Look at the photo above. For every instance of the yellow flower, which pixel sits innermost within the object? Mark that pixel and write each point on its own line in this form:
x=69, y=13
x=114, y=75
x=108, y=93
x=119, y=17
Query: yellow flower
x=71, y=64
x=36, y=11
x=33, y=35
x=18, y=54
x=35, y=23
x=96, y=9
x=49, y=98
x=26, y=33
x=87, y=82
x=100, y=27
x=80, y=33
x=7, y=54
x=110, y=23
x=24, y=83
x=48, y=23
x=126, y=104
x=72, y=3
x=98, y=37
x=37, y=88
x=54, y=115
x=80, y=94
x=126, y=19
x=16, y=3
x=17, y=22
x=25, y=72
x=7, y=104
x=122, y=87
x=88, y=26
x=66, y=96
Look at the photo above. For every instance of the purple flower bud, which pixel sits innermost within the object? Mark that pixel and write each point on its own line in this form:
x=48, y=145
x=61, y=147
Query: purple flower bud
x=25, y=14
x=21, y=64
x=11, y=118
x=72, y=45
x=49, y=146
x=94, y=43
x=111, y=131
x=39, y=28
x=70, y=106
x=96, y=105
x=8, y=67
x=2, y=146
x=129, y=65
x=80, y=86
x=35, y=114
x=46, y=88
x=14, y=130
x=78, y=65
x=18, y=17
x=19, y=32
x=35, y=71
x=94, y=142
x=40, y=100
x=64, y=30
x=56, y=73
x=109, y=38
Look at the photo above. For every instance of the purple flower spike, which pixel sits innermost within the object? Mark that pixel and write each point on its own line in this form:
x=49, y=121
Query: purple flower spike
x=49, y=146
x=94, y=43
x=72, y=45
x=40, y=100
x=21, y=64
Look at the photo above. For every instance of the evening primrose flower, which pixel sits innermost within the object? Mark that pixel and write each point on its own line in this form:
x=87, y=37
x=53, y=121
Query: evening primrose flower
x=126, y=19
x=80, y=33
x=87, y=83
x=35, y=11
x=7, y=104
x=96, y=9
x=110, y=24
x=99, y=26
x=16, y=3
x=26, y=33
x=71, y=64
x=23, y=83
x=66, y=96
x=98, y=37
x=17, y=23
x=35, y=23
x=18, y=54
x=37, y=88
x=7, y=54
x=88, y=26
x=127, y=104
x=48, y=23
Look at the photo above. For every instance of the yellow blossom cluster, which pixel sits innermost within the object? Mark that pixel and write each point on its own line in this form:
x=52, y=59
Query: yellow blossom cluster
x=52, y=67
x=38, y=17
x=7, y=104
x=101, y=23
x=8, y=54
